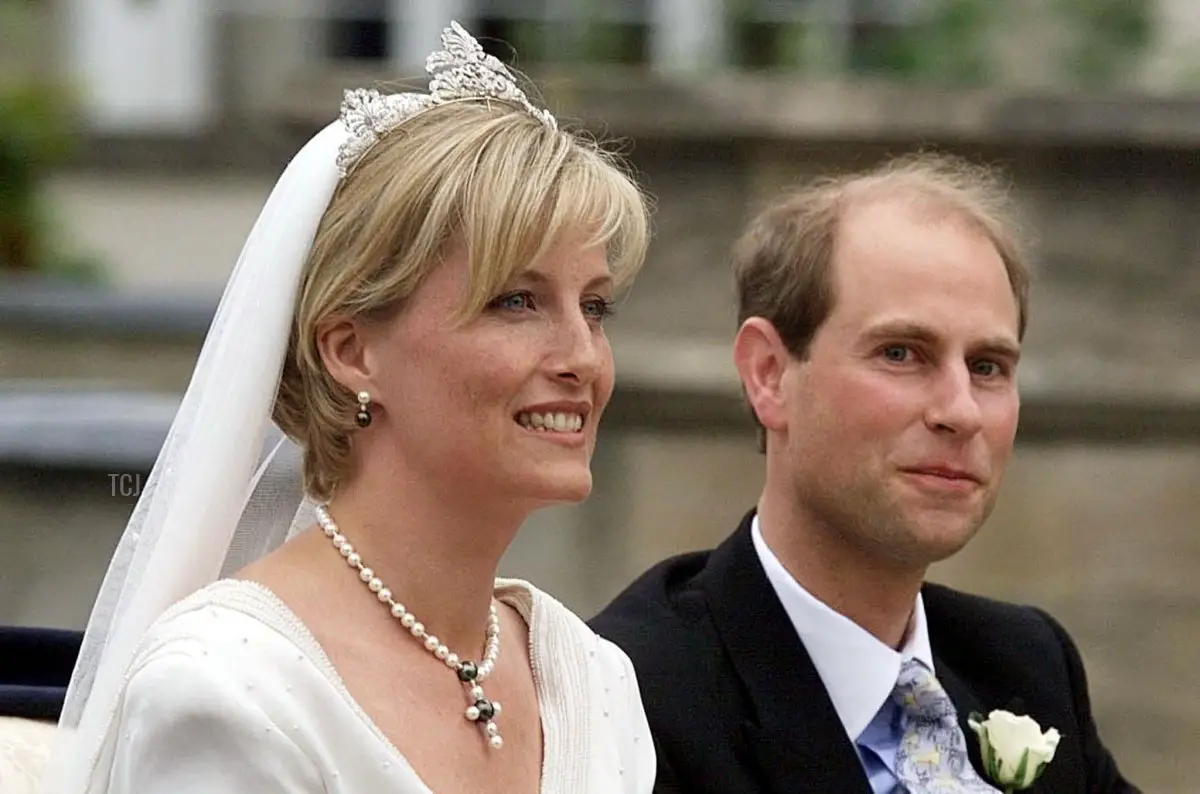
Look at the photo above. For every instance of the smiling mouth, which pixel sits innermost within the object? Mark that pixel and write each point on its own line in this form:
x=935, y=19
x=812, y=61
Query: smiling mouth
x=560, y=422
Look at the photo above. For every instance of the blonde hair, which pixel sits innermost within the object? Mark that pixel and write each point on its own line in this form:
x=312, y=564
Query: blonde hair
x=485, y=173
x=783, y=261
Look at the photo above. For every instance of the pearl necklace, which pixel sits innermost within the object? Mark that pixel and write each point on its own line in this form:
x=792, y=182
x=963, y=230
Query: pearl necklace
x=481, y=711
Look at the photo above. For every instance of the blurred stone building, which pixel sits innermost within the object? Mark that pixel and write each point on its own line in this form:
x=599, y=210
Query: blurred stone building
x=189, y=120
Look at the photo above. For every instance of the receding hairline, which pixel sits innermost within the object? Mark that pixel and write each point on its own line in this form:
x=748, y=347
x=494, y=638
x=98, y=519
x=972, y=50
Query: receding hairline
x=934, y=186
x=928, y=193
x=939, y=190
x=914, y=205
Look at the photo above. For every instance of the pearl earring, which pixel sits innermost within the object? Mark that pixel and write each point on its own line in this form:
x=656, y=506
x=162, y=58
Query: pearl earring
x=363, y=417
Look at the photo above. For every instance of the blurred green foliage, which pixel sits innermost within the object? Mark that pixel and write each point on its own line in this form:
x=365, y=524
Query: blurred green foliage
x=947, y=46
x=945, y=43
x=591, y=40
x=1111, y=36
x=32, y=139
x=36, y=135
x=950, y=42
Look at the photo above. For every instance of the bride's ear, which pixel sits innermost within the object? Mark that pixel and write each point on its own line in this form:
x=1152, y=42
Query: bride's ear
x=342, y=346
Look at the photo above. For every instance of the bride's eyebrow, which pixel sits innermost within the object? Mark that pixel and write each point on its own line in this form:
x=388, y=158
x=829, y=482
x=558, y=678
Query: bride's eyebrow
x=535, y=277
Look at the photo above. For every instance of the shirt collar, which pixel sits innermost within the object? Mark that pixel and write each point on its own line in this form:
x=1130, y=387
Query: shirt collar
x=858, y=670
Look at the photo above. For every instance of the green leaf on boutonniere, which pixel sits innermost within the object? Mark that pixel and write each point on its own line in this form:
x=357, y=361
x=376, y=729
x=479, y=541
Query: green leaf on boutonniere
x=1020, y=774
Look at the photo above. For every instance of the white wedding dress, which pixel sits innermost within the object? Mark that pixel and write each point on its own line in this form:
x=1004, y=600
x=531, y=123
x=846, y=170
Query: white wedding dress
x=230, y=693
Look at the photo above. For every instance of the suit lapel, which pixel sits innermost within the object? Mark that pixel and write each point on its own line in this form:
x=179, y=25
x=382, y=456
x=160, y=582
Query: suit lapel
x=965, y=702
x=794, y=736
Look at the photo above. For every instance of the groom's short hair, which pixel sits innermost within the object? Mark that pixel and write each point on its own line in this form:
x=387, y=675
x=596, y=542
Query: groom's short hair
x=783, y=261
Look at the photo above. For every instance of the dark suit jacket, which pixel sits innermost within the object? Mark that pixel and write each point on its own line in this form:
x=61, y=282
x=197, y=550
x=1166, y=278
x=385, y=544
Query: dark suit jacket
x=736, y=705
x=35, y=668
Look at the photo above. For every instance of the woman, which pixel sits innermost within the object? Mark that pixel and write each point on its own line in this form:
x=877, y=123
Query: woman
x=420, y=309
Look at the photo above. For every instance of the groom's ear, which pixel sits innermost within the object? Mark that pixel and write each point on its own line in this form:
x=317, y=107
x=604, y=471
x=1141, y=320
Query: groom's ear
x=761, y=359
x=342, y=346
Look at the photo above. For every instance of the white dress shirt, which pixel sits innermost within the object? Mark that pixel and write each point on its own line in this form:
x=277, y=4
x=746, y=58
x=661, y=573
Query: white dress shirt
x=858, y=670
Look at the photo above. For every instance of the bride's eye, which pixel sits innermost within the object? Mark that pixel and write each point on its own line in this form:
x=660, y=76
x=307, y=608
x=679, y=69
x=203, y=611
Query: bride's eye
x=598, y=309
x=513, y=301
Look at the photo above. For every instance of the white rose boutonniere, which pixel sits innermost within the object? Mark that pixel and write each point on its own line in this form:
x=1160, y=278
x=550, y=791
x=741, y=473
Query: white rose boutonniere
x=1015, y=750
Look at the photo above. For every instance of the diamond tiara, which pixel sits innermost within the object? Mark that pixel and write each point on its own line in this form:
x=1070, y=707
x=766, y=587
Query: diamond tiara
x=461, y=71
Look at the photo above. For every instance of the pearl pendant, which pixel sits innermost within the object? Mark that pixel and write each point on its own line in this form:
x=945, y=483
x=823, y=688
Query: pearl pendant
x=484, y=711
x=481, y=711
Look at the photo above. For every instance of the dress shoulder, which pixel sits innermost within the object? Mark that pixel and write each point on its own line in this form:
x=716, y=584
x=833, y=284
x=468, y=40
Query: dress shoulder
x=210, y=705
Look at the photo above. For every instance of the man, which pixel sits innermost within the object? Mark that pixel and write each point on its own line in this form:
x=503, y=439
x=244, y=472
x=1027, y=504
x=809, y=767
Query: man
x=881, y=317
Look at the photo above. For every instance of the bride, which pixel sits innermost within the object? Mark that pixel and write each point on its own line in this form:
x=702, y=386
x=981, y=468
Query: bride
x=420, y=310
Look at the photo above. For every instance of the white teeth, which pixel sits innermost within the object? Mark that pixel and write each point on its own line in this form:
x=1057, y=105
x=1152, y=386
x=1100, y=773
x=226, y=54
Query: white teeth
x=551, y=422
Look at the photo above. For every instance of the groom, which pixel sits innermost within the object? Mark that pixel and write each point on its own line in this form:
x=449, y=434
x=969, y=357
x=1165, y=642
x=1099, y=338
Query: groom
x=881, y=317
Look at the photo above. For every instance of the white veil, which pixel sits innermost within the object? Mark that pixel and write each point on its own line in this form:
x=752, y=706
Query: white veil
x=227, y=488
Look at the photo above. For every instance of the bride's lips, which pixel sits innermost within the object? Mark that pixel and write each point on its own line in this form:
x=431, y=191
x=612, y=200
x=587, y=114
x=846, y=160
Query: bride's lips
x=561, y=422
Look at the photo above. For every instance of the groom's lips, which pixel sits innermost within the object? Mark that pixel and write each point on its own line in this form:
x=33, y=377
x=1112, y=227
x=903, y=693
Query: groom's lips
x=946, y=472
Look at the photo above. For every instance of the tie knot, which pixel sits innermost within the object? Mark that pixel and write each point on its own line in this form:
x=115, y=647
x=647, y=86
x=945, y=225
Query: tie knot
x=920, y=694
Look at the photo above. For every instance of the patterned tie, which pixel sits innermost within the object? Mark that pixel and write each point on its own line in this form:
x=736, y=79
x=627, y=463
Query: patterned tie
x=932, y=758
